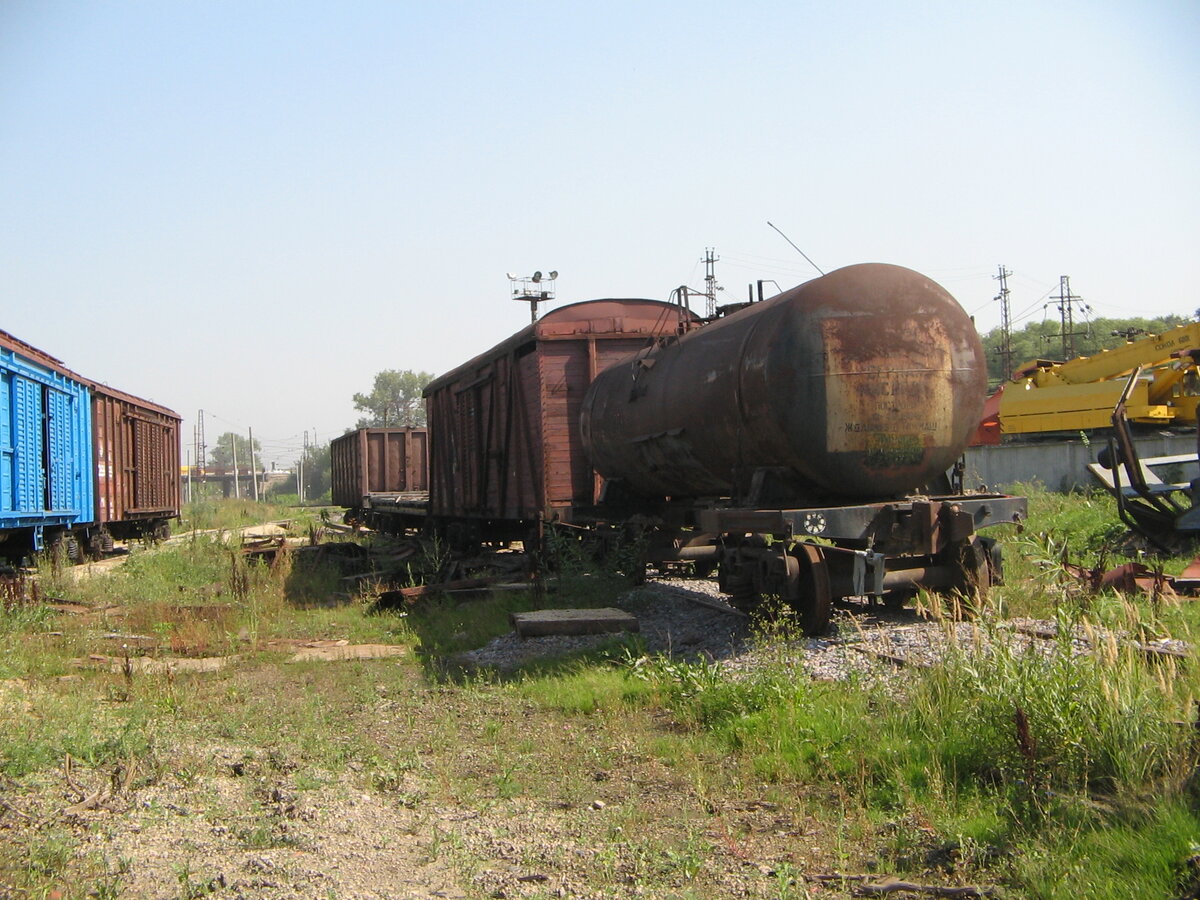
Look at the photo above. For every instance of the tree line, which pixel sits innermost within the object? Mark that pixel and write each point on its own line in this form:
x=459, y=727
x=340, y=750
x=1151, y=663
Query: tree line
x=1043, y=340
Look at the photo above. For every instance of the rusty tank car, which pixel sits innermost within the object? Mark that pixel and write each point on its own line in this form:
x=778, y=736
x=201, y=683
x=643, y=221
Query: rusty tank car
x=863, y=383
x=832, y=411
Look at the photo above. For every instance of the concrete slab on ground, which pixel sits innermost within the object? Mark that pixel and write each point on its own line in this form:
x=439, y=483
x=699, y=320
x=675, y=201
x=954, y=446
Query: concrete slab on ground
x=543, y=622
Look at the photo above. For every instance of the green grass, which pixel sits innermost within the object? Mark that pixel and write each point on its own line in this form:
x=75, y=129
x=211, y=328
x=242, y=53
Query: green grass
x=1050, y=775
x=69, y=726
x=584, y=688
x=1139, y=854
x=997, y=750
x=209, y=513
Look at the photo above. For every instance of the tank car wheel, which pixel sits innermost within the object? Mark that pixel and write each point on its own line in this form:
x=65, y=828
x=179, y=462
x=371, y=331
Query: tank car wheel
x=896, y=600
x=971, y=577
x=807, y=588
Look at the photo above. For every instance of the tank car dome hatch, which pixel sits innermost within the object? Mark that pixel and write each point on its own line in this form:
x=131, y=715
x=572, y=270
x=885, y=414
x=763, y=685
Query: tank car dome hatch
x=866, y=382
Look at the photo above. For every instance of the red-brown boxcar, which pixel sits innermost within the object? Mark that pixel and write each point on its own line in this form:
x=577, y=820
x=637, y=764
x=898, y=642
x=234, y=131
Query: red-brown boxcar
x=137, y=465
x=505, y=449
x=378, y=461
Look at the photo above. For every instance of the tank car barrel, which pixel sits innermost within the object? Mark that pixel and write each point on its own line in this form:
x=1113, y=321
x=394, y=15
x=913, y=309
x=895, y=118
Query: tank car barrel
x=865, y=382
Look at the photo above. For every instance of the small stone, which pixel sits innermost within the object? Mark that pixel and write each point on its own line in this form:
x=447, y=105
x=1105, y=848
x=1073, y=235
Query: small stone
x=598, y=804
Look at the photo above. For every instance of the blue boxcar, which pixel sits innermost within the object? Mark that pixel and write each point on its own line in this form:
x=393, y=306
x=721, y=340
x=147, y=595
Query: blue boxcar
x=46, y=454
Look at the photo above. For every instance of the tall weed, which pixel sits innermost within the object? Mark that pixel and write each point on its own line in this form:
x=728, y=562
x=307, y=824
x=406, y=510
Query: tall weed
x=1021, y=717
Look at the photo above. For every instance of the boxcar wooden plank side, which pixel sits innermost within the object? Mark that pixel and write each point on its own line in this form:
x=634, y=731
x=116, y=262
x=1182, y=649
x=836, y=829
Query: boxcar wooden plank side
x=504, y=442
x=137, y=452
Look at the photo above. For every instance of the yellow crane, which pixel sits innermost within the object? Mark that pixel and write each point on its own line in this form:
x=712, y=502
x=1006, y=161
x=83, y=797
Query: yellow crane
x=1080, y=394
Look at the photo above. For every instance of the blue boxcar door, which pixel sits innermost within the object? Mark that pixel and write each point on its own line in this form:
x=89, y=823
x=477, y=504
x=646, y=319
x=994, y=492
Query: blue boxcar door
x=63, y=470
x=23, y=459
x=7, y=450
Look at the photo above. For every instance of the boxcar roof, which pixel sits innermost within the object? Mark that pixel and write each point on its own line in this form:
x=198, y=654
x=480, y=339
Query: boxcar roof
x=100, y=388
x=41, y=357
x=639, y=316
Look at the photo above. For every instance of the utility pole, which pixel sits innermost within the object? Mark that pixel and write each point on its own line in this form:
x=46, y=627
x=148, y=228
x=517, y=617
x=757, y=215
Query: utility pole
x=189, y=478
x=710, y=282
x=1066, y=304
x=1006, y=351
x=300, y=480
x=253, y=464
x=237, y=491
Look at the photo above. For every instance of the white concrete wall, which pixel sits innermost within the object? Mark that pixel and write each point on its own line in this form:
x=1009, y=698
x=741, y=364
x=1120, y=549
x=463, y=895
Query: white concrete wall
x=1061, y=465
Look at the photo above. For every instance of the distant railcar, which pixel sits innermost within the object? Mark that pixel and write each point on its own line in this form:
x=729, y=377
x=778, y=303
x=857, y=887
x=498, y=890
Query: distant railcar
x=46, y=454
x=136, y=447
x=505, y=451
x=381, y=476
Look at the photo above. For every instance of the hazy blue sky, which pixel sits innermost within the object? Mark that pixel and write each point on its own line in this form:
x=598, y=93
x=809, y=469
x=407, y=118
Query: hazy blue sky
x=253, y=207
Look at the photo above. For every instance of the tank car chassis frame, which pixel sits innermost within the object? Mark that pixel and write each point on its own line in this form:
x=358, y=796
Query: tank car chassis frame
x=812, y=556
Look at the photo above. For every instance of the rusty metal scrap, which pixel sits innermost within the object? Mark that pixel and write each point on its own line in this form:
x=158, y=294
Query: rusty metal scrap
x=1135, y=577
x=412, y=594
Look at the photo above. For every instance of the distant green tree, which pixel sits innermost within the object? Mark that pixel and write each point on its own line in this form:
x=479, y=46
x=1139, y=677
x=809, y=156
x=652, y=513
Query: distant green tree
x=317, y=475
x=395, y=400
x=1043, y=340
x=318, y=472
x=222, y=453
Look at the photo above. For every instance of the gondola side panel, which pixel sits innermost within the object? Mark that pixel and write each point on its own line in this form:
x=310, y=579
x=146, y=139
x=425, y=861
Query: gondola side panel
x=377, y=461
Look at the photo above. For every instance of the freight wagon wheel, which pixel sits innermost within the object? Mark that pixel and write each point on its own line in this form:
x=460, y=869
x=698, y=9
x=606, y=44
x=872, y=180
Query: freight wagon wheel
x=63, y=549
x=807, y=588
x=971, y=578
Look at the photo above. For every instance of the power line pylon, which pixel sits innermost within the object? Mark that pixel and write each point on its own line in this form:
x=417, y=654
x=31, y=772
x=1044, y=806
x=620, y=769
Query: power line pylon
x=201, y=448
x=1066, y=305
x=1006, y=351
x=710, y=282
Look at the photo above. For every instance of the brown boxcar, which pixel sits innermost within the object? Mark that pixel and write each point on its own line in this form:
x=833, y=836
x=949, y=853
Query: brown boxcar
x=378, y=461
x=136, y=446
x=505, y=448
